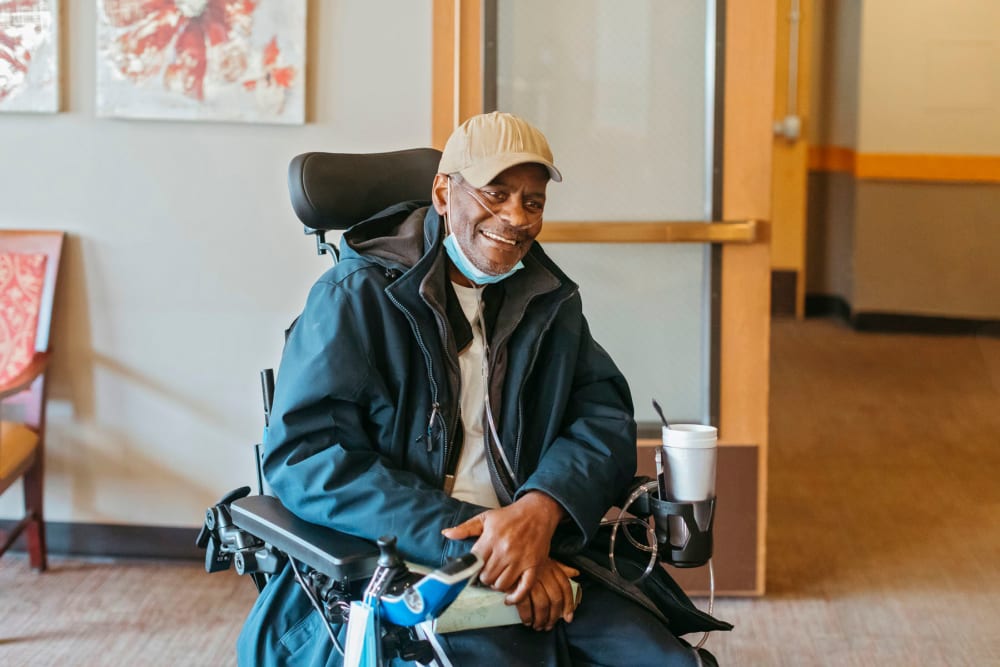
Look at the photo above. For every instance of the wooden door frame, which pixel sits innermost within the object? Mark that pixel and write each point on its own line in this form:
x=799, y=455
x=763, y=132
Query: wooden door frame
x=790, y=168
x=746, y=195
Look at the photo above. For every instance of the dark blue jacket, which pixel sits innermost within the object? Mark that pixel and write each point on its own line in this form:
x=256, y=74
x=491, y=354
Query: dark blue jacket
x=366, y=424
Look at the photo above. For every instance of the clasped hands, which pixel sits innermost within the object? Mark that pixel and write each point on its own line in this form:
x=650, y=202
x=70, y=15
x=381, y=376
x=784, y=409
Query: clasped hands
x=514, y=544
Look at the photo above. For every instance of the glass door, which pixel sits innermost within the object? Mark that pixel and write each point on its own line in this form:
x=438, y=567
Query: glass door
x=626, y=92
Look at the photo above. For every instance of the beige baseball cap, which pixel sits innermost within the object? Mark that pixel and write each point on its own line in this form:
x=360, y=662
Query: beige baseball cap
x=483, y=146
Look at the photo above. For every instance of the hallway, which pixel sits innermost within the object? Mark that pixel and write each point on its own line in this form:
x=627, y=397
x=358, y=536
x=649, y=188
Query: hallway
x=884, y=503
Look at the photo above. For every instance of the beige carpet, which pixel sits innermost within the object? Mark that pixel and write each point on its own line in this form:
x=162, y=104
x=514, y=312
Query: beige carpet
x=119, y=613
x=883, y=543
x=884, y=503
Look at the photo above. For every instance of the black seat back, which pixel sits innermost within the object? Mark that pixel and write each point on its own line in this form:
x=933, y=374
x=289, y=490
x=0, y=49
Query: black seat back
x=332, y=191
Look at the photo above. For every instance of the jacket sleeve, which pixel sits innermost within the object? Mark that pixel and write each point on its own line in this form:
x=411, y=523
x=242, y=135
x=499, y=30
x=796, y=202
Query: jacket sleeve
x=320, y=454
x=591, y=462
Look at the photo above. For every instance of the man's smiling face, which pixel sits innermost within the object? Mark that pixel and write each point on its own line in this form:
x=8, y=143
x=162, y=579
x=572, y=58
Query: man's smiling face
x=496, y=224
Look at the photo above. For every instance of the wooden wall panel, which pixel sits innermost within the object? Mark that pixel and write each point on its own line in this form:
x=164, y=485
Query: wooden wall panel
x=457, y=31
x=788, y=219
x=747, y=170
x=736, y=525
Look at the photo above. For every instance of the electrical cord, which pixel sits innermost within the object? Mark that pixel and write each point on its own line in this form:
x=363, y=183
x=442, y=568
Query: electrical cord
x=486, y=389
x=651, y=548
x=711, y=599
x=315, y=603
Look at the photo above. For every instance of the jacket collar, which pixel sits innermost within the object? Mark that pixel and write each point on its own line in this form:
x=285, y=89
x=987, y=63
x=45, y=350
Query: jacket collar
x=413, y=245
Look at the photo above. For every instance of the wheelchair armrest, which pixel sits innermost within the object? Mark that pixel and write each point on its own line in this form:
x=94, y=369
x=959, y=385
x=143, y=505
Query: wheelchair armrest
x=334, y=554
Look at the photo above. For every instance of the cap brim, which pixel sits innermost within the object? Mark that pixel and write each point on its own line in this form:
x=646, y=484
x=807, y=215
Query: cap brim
x=485, y=171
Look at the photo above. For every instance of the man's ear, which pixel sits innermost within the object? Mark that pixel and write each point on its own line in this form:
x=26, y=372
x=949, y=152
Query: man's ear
x=439, y=193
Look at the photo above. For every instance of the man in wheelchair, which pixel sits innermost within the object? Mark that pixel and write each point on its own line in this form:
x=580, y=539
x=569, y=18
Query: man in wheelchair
x=441, y=385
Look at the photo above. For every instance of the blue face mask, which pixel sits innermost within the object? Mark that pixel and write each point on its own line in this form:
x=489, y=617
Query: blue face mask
x=470, y=270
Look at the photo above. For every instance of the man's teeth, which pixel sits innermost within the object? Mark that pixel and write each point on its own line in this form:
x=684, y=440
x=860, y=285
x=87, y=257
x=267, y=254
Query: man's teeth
x=497, y=237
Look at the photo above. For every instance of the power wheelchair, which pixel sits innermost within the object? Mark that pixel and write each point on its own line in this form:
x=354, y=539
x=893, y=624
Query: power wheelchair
x=340, y=573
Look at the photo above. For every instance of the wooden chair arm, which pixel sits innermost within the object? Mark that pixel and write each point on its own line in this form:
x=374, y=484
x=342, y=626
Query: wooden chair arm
x=23, y=380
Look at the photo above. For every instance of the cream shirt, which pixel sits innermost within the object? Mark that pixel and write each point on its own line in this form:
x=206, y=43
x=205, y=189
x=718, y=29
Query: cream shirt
x=472, y=475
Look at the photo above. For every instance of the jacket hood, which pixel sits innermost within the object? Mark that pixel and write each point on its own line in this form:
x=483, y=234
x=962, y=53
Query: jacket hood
x=396, y=237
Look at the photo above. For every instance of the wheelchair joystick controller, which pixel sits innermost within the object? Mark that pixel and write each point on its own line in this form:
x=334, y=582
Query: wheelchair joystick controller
x=388, y=555
x=407, y=598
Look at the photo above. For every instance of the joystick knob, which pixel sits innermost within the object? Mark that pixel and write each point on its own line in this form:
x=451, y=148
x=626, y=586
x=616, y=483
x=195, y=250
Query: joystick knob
x=388, y=556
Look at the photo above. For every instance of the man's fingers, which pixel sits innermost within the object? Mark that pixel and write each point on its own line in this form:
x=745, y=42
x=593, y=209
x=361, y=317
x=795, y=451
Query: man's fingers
x=524, y=586
x=546, y=598
x=567, y=596
x=567, y=570
x=569, y=602
x=510, y=579
x=492, y=568
x=542, y=604
x=525, y=612
x=470, y=528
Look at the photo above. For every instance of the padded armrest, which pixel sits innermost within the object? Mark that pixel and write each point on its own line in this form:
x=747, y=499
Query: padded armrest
x=335, y=554
x=338, y=190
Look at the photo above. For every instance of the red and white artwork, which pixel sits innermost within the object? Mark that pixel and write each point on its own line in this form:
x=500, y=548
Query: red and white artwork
x=230, y=60
x=29, y=55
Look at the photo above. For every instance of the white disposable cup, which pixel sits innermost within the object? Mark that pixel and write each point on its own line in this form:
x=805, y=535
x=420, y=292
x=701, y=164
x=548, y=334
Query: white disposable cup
x=689, y=453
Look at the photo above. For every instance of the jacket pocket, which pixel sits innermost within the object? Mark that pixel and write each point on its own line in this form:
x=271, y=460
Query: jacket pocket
x=300, y=633
x=308, y=643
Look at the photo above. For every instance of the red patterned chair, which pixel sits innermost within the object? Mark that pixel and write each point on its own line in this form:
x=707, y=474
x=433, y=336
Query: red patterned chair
x=29, y=264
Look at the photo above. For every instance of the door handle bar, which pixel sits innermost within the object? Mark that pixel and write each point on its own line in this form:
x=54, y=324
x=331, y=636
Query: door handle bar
x=671, y=231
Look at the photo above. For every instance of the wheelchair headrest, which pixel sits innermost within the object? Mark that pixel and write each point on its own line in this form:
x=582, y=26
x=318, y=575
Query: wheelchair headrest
x=337, y=190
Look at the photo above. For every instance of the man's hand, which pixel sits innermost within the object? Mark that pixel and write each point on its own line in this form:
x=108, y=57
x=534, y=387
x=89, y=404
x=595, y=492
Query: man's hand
x=513, y=540
x=550, y=598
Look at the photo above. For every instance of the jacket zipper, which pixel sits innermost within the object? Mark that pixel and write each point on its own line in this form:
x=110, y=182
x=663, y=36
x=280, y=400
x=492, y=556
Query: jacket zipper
x=435, y=405
x=449, y=465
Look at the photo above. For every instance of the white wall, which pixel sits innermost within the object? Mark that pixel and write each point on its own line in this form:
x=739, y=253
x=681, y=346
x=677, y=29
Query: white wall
x=836, y=41
x=185, y=263
x=930, y=77
x=907, y=77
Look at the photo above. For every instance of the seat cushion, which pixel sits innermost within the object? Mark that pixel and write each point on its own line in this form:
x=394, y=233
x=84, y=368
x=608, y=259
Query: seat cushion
x=22, y=277
x=18, y=445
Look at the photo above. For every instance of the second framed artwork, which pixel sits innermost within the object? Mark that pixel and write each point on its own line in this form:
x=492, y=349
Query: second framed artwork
x=220, y=60
x=29, y=55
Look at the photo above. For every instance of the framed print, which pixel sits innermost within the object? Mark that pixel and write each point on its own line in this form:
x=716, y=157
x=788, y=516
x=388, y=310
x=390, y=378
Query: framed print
x=221, y=60
x=29, y=55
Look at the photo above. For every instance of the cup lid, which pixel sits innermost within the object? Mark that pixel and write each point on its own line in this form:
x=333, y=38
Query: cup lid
x=695, y=436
